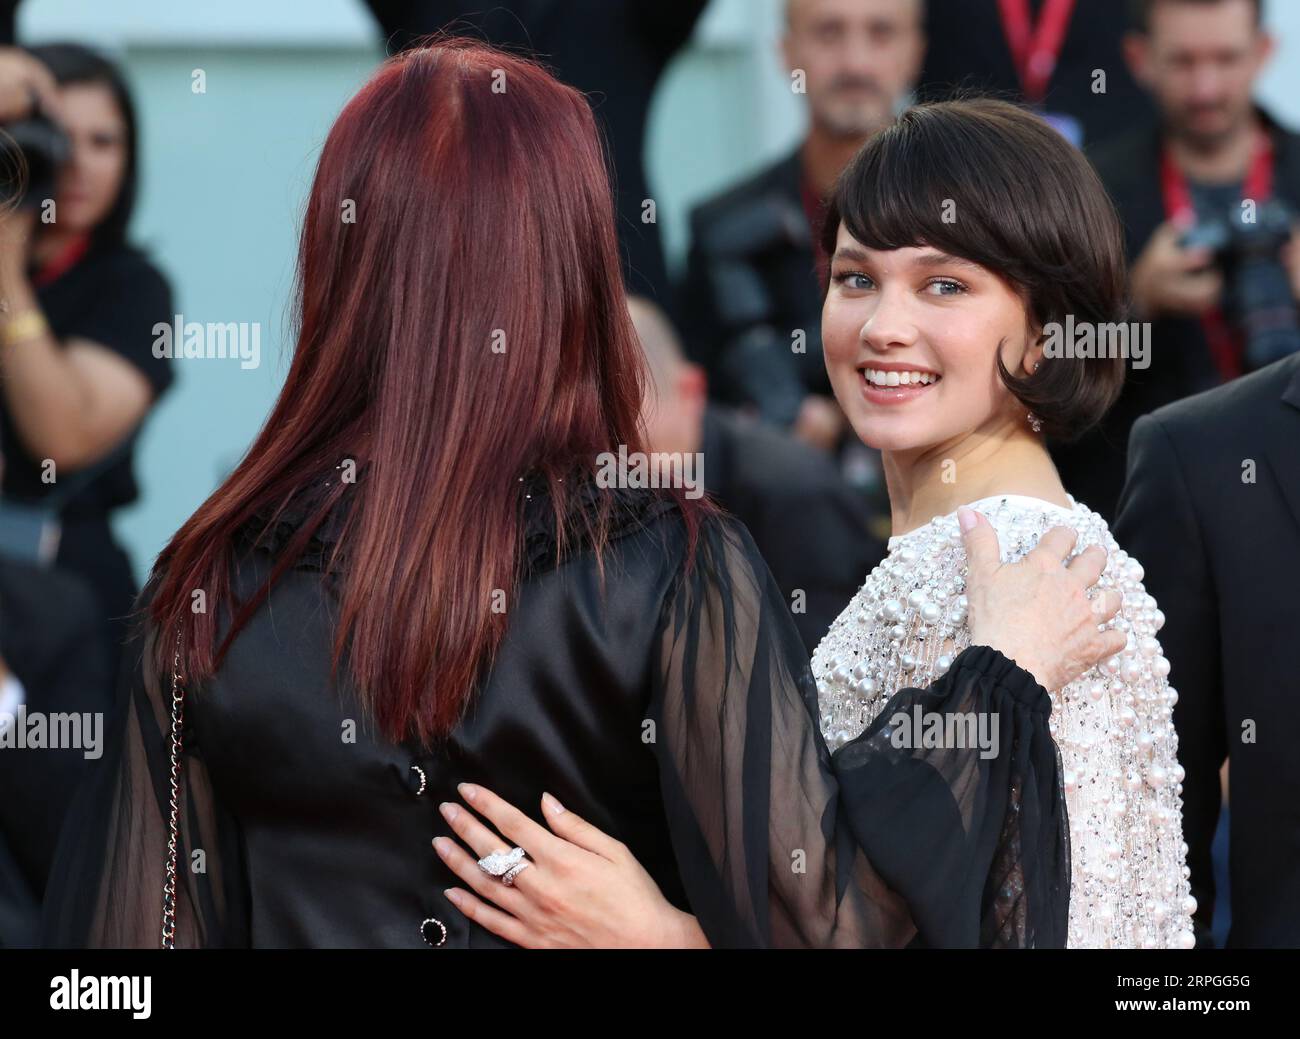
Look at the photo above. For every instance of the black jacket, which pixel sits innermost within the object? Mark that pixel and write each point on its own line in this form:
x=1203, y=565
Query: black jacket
x=1212, y=509
x=750, y=283
x=1181, y=363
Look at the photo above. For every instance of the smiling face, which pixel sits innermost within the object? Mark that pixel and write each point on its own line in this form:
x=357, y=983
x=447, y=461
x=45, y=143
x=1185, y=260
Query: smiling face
x=910, y=337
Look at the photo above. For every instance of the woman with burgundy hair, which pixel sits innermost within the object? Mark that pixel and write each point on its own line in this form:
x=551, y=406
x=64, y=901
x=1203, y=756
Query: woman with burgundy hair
x=414, y=578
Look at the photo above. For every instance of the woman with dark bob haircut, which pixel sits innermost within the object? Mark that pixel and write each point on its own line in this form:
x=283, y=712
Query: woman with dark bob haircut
x=975, y=287
x=416, y=577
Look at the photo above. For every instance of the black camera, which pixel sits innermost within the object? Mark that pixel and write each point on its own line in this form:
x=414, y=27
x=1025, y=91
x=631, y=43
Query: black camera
x=1257, y=295
x=37, y=149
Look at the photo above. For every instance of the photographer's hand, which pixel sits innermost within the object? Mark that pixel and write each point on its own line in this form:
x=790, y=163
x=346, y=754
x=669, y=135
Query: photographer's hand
x=23, y=80
x=1168, y=279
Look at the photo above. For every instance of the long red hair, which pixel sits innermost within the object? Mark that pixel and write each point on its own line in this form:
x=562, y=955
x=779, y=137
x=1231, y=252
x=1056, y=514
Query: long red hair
x=468, y=326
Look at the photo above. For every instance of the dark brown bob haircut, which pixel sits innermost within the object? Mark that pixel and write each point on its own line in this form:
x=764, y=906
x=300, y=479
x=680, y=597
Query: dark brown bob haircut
x=989, y=181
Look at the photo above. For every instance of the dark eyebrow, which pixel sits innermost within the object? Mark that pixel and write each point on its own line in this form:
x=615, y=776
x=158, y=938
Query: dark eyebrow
x=932, y=258
x=938, y=259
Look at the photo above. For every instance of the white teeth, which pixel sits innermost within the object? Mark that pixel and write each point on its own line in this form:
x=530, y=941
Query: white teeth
x=894, y=378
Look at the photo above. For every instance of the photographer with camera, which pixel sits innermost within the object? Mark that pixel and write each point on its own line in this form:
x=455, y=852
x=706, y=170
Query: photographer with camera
x=77, y=371
x=1208, y=200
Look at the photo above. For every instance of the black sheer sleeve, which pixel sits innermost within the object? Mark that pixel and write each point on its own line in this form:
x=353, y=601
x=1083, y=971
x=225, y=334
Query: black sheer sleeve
x=106, y=884
x=779, y=844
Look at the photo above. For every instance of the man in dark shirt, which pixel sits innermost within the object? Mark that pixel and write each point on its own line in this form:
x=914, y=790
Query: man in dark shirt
x=751, y=299
x=811, y=528
x=1216, y=157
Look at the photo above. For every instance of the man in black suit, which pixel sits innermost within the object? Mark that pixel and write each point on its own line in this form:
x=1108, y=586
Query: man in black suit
x=814, y=532
x=1211, y=508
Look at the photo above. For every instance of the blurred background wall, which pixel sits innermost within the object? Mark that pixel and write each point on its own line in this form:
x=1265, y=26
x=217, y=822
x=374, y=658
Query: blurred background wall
x=225, y=173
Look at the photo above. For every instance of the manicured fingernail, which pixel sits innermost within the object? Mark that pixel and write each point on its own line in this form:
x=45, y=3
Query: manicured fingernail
x=441, y=845
x=467, y=790
x=967, y=518
x=553, y=806
x=449, y=811
x=453, y=896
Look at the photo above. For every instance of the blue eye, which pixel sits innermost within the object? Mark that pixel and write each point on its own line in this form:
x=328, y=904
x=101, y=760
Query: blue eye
x=843, y=278
x=956, y=286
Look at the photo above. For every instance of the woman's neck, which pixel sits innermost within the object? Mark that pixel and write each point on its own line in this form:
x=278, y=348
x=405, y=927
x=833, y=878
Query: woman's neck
x=1002, y=459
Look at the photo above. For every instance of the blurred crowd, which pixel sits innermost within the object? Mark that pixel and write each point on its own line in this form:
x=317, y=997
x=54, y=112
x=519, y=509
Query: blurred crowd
x=1160, y=94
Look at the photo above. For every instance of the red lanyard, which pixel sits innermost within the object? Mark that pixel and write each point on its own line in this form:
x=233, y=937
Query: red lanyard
x=54, y=268
x=1226, y=344
x=1258, y=184
x=1035, y=48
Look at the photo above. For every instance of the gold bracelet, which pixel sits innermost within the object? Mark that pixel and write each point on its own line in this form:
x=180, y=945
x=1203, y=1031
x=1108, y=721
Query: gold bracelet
x=21, y=327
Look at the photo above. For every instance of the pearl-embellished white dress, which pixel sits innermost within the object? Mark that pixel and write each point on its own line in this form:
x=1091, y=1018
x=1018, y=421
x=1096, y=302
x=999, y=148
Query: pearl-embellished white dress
x=1114, y=728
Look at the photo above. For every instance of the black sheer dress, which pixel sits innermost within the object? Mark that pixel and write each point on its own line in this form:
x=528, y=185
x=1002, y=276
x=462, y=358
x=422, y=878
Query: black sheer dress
x=676, y=712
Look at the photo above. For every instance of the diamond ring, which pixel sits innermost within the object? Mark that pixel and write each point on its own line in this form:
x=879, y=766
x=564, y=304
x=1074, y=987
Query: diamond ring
x=499, y=863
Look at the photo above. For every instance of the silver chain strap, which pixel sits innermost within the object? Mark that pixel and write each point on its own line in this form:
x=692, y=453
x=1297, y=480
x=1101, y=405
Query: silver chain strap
x=173, y=822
